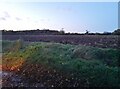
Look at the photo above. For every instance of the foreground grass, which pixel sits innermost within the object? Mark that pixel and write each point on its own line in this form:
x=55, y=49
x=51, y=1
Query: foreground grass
x=63, y=65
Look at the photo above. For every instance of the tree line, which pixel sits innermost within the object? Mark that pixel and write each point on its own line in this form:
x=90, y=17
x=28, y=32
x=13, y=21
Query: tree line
x=54, y=32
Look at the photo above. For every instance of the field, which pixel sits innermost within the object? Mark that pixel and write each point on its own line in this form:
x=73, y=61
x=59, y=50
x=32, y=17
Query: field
x=53, y=64
x=103, y=41
x=59, y=45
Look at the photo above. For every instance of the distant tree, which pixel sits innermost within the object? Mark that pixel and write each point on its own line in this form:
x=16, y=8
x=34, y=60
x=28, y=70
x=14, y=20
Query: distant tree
x=38, y=29
x=97, y=33
x=107, y=33
x=62, y=31
x=87, y=32
x=10, y=30
x=117, y=32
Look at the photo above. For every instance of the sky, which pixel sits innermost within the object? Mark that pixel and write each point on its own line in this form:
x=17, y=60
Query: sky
x=76, y=17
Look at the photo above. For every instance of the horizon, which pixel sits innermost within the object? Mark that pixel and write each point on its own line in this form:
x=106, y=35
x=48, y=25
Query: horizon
x=74, y=17
x=57, y=30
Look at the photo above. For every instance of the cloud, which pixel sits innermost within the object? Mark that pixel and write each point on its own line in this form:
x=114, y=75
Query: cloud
x=18, y=19
x=6, y=14
x=28, y=18
x=2, y=18
x=42, y=20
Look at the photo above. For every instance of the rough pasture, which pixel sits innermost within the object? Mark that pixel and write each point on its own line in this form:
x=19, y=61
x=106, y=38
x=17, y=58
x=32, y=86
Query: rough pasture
x=103, y=41
x=60, y=65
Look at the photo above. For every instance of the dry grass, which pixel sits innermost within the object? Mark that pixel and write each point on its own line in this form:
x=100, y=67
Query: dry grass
x=12, y=63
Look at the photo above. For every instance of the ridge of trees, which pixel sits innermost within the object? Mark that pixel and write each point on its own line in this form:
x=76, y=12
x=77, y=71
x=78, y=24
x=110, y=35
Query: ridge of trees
x=54, y=32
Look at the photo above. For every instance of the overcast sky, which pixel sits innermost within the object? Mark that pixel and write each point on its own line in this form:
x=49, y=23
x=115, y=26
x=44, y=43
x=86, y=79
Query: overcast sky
x=72, y=16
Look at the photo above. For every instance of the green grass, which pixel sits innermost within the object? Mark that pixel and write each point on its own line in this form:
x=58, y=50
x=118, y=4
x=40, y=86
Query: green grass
x=56, y=52
x=98, y=66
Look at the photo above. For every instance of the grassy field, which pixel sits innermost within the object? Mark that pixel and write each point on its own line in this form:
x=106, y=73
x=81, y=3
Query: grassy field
x=62, y=65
